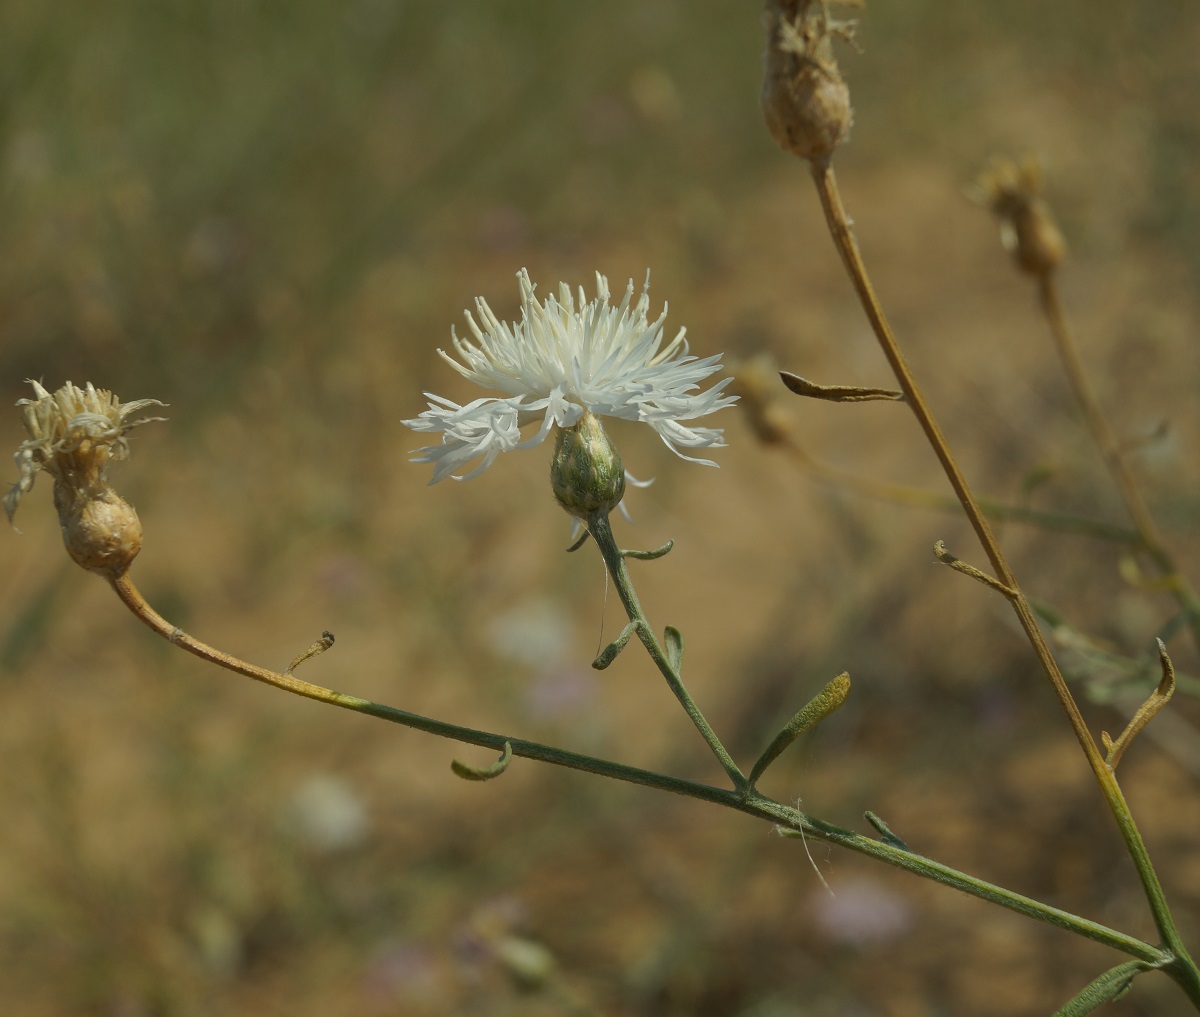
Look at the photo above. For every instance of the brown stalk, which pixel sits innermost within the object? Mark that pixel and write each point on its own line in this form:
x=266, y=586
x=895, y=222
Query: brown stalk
x=847, y=247
x=1110, y=449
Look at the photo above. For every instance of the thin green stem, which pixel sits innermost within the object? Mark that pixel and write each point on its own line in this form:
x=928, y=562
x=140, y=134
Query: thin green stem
x=614, y=560
x=1114, y=458
x=743, y=800
x=847, y=247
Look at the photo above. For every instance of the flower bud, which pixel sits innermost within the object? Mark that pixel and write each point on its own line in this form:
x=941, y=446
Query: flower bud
x=805, y=102
x=586, y=472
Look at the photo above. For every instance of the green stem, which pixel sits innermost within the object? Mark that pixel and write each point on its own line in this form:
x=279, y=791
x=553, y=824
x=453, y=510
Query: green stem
x=744, y=800
x=614, y=559
x=1183, y=968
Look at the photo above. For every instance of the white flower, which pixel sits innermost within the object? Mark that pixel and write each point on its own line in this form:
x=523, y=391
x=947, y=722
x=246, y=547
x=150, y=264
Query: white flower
x=560, y=360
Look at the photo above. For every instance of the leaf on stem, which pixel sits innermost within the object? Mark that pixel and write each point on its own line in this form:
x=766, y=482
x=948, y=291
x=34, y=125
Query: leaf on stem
x=838, y=393
x=885, y=832
x=483, y=772
x=1111, y=985
x=943, y=555
x=658, y=552
x=609, y=653
x=673, y=643
x=814, y=711
x=1154, y=702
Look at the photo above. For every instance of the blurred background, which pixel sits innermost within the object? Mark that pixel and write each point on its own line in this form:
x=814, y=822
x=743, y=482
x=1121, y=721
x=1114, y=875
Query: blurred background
x=269, y=215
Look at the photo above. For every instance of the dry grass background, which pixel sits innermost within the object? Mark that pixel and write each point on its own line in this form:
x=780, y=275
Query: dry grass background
x=269, y=215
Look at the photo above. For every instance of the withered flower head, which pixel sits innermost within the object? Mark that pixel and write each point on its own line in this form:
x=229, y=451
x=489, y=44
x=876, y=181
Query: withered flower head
x=805, y=102
x=73, y=435
x=1027, y=227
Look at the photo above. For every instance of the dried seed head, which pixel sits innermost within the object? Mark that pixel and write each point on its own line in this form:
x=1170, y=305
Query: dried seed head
x=73, y=435
x=805, y=102
x=586, y=472
x=1027, y=227
x=101, y=530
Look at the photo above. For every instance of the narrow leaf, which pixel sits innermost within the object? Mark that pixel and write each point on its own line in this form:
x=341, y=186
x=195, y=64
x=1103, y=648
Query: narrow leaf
x=609, y=653
x=1113, y=984
x=1154, y=702
x=837, y=393
x=885, y=832
x=484, y=772
x=673, y=639
x=815, y=710
x=658, y=552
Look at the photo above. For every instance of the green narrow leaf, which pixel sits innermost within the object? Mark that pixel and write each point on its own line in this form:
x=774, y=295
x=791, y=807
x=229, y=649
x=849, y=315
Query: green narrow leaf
x=885, y=832
x=673, y=639
x=609, y=653
x=815, y=710
x=484, y=772
x=658, y=552
x=1113, y=984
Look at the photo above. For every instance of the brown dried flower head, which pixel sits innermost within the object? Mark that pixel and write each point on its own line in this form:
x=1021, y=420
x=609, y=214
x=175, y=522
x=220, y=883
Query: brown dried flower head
x=73, y=435
x=1027, y=227
x=805, y=102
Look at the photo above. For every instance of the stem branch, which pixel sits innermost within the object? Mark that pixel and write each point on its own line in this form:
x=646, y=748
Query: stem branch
x=744, y=800
x=614, y=559
x=847, y=247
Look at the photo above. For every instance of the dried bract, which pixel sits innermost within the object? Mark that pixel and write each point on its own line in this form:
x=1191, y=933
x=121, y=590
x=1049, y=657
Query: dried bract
x=1027, y=227
x=74, y=434
x=805, y=102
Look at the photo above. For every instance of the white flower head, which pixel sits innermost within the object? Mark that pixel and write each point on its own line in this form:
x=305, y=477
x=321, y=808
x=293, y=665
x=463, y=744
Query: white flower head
x=565, y=357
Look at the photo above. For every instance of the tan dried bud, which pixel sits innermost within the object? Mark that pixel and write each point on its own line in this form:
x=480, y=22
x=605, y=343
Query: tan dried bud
x=101, y=531
x=1027, y=227
x=73, y=435
x=805, y=102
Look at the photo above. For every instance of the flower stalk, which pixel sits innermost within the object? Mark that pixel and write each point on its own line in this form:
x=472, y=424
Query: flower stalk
x=741, y=798
x=1182, y=968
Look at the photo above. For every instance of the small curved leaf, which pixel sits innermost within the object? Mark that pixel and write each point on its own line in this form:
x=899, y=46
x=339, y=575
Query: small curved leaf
x=609, y=653
x=658, y=552
x=484, y=772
